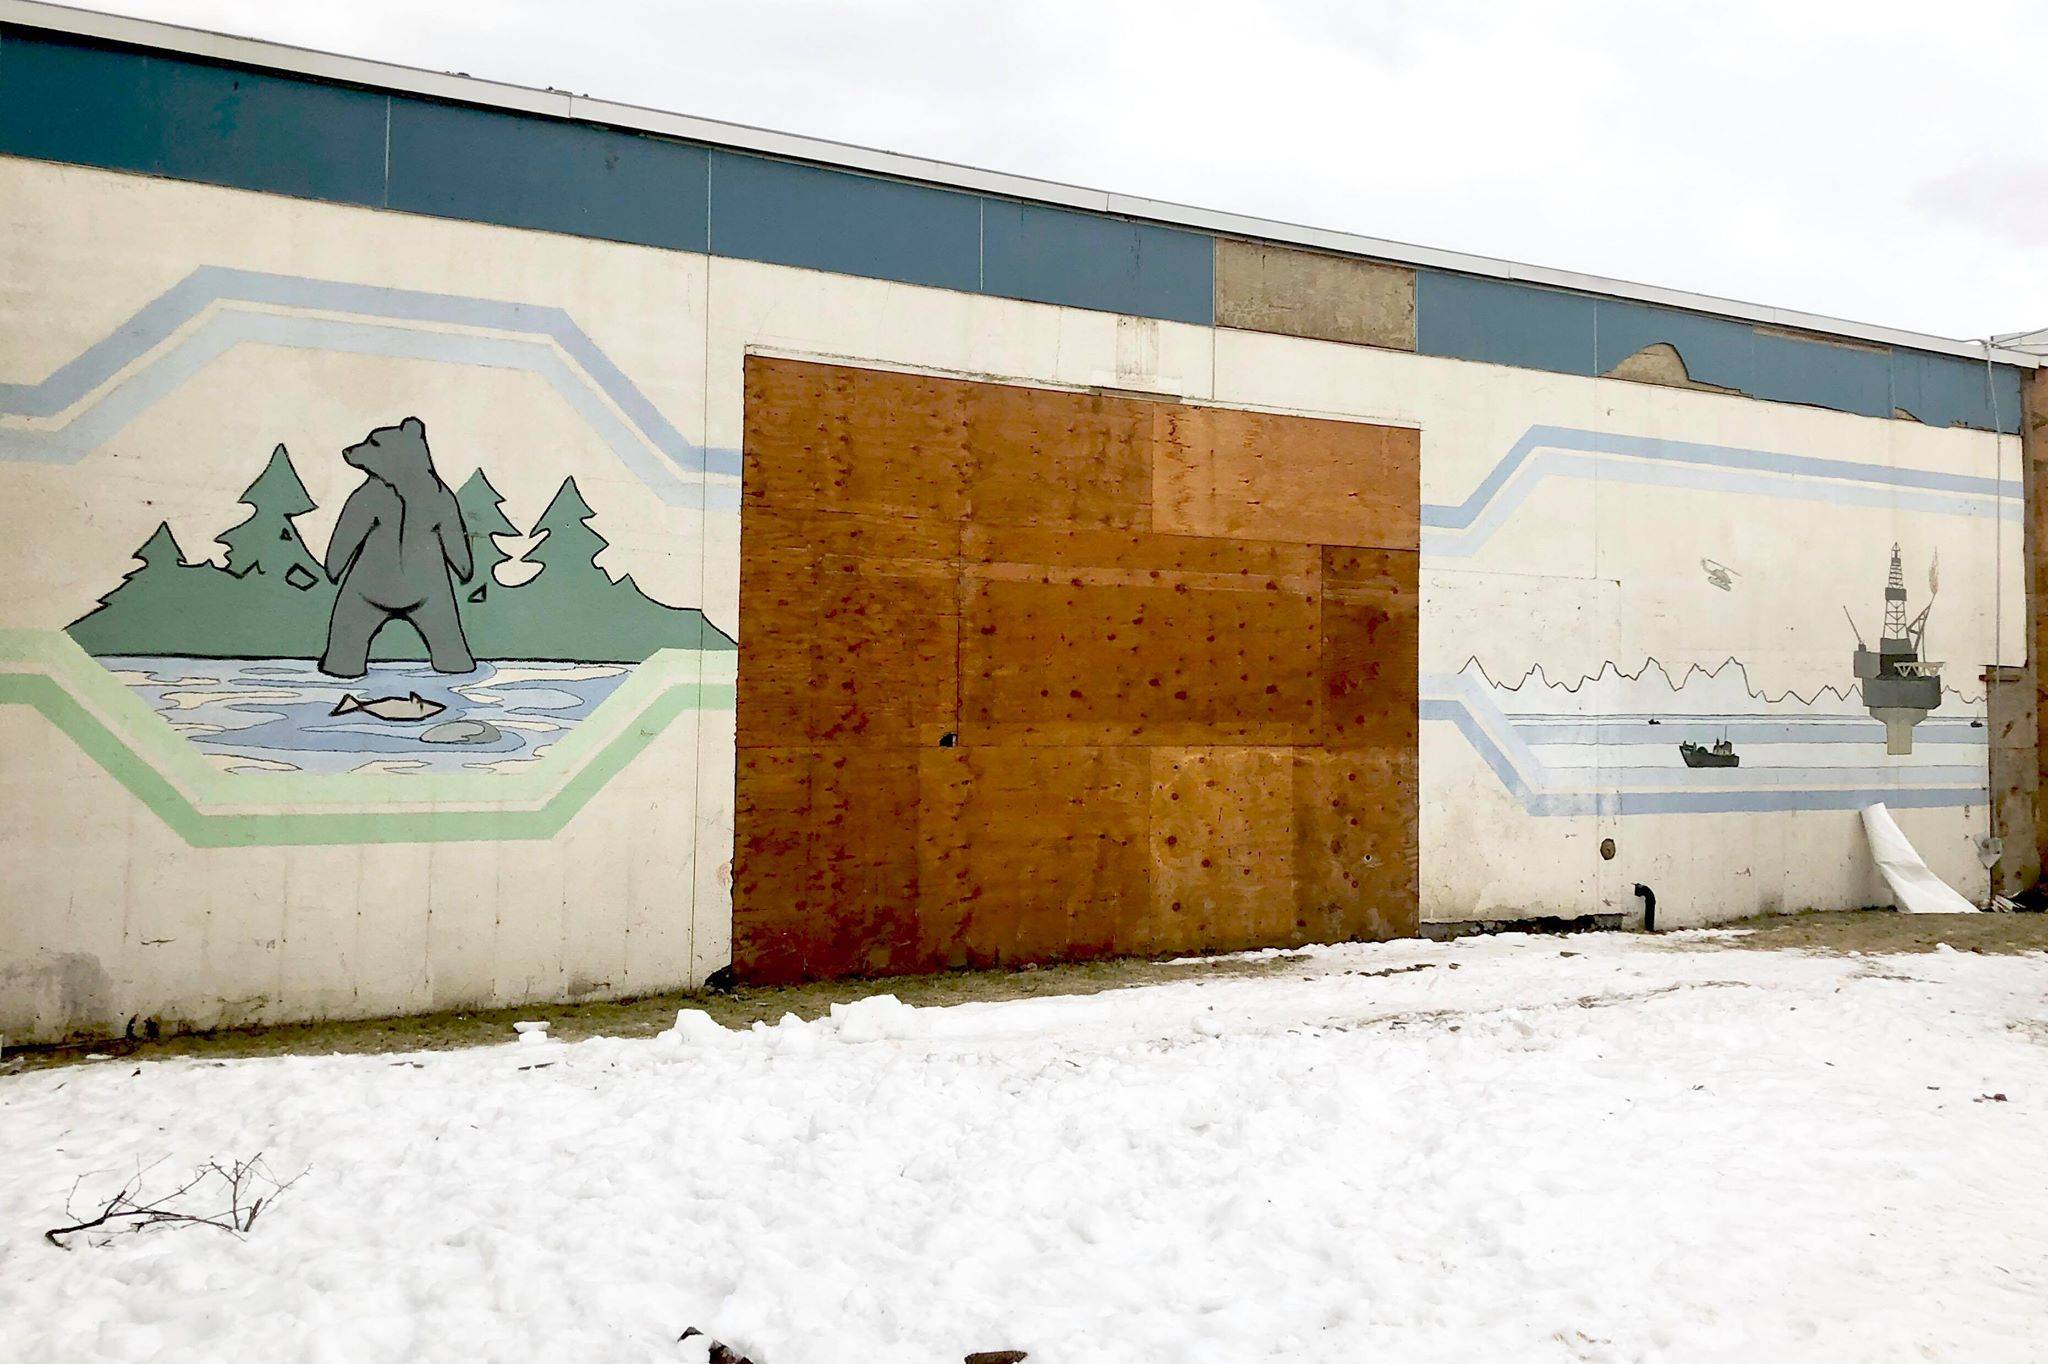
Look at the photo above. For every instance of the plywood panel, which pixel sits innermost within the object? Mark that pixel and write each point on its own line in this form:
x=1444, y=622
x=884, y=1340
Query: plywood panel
x=774, y=893
x=778, y=631
x=1132, y=638
x=1223, y=851
x=1045, y=458
x=1179, y=728
x=836, y=438
x=849, y=633
x=1034, y=854
x=2034, y=465
x=1265, y=476
x=1370, y=649
x=827, y=863
x=1355, y=844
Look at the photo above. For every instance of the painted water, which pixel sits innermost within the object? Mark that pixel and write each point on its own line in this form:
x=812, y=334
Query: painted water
x=277, y=715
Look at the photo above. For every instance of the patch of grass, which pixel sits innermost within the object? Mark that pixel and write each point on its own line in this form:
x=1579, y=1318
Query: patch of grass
x=1883, y=931
x=644, y=1016
x=1841, y=932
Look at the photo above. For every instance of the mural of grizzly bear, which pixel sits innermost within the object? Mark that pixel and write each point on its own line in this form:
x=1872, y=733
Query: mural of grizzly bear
x=399, y=536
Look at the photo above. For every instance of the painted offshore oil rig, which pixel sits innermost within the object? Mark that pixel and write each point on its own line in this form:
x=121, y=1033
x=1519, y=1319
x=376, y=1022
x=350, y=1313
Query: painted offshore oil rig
x=1899, y=686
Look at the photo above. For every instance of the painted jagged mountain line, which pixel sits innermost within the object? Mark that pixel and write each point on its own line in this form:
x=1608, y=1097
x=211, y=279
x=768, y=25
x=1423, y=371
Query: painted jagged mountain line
x=272, y=599
x=1536, y=675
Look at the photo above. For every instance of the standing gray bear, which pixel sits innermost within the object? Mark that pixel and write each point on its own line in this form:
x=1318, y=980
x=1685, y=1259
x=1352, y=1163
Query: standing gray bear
x=398, y=536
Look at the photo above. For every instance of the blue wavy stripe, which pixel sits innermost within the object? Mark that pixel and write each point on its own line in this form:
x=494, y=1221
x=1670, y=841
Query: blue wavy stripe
x=1736, y=729
x=1711, y=790
x=160, y=319
x=1464, y=514
x=1458, y=529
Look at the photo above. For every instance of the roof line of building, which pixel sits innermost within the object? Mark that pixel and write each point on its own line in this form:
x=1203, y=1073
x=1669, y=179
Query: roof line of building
x=561, y=104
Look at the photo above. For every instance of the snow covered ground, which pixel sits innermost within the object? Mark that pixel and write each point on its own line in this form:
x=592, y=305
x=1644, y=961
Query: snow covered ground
x=1595, y=1148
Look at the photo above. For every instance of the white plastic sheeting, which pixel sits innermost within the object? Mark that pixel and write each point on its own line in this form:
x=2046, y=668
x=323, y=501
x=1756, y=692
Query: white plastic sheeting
x=1915, y=889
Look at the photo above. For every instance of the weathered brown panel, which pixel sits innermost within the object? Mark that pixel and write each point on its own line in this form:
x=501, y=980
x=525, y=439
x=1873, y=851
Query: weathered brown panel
x=1262, y=476
x=2034, y=466
x=2015, y=775
x=826, y=863
x=774, y=895
x=1167, y=742
x=1042, y=458
x=1033, y=854
x=1223, y=851
x=778, y=589
x=851, y=625
x=835, y=438
x=1267, y=288
x=1356, y=859
x=1098, y=637
x=1371, y=644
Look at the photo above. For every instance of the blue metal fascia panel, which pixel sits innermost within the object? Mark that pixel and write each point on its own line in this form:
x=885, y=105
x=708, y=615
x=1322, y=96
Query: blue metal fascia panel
x=162, y=115
x=1948, y=390
x=1715, y=350
x=790, y=214
x=83, y=102
x=2008, y=385
x=1084, y=260
x=1790, y=369
x=491, y=167
x=1468, y=318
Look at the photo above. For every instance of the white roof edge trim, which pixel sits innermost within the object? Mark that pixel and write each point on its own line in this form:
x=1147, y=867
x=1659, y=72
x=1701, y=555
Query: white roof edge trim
x=561, y=104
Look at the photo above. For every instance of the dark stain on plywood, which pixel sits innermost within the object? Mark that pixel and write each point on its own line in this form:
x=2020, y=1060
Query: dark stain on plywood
x=1370, y=624
x=836, y=438
x=859, y=626
x=1134, y=638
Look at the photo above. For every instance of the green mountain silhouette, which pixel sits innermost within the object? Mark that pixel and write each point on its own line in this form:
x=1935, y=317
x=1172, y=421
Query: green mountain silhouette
x=272, y=599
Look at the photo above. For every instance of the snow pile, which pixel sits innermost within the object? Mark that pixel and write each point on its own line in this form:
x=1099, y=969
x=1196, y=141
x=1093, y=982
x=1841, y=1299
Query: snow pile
x=694, y=1028
x=1599, y=1148
x=873, y=1019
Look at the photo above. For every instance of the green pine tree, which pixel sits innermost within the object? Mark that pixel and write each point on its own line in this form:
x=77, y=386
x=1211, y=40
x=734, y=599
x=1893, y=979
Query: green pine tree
x=266, y=541
x=141, y=615
x=573, y=610
x=272, y=600
x=566, y=539
x=278, y=598
x=484, y=519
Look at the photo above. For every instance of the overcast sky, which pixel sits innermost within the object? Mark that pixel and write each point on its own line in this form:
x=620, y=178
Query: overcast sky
x=1879, y=160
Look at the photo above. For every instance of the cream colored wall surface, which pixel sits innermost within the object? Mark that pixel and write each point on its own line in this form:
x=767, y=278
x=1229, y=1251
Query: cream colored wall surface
x=174, y=857
x=162, y=339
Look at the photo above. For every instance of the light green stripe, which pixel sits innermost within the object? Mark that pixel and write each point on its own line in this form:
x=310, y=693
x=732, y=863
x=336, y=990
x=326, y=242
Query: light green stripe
x=203, y=829
x=207, y=787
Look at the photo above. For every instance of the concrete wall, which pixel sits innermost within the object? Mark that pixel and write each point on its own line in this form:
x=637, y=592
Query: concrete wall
x=197, y=840
x=199, y=843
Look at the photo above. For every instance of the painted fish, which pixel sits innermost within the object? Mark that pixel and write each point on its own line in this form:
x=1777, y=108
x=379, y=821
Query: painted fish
x=406, y=708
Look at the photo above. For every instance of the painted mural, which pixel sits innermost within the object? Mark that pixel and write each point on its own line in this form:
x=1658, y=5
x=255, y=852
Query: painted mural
x=1702, y=740
x=1899, y=686
x=1822, y=727
x=280, y=612
x=416, y=643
